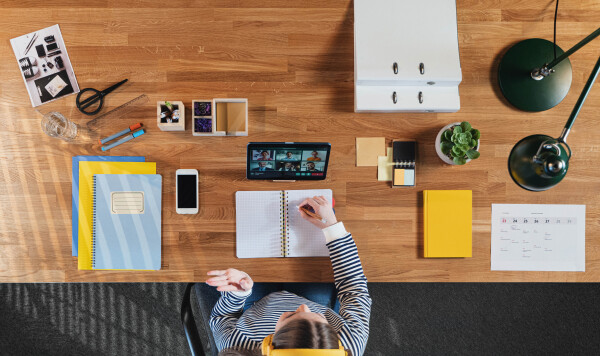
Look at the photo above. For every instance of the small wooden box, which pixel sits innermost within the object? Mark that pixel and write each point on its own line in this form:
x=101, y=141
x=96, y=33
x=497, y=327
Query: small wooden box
x=179, y=125
x=230, y=117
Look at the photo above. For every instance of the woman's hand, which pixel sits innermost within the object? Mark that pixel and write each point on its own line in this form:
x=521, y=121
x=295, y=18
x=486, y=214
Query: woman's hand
x=322, y=208
x=230, y=280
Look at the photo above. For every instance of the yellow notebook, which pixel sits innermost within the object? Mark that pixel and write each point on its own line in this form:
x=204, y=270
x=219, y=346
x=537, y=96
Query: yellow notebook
x=87, y=169
x=447, y=218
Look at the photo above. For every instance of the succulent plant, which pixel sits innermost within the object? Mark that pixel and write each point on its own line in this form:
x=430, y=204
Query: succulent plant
x=459, y=143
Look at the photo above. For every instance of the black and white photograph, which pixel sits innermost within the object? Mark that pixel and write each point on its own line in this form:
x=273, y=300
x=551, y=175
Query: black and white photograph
x=45, y=65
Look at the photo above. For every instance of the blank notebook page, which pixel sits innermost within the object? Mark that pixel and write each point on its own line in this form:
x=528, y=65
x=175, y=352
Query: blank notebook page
x=305, y=239
x=258, y=224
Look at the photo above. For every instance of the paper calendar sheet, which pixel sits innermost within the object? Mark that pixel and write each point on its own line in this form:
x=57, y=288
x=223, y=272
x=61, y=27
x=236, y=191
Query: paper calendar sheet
x=527, y=237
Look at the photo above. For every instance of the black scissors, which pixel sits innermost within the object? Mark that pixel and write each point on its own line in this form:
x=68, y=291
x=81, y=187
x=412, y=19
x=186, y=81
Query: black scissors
x=82, y=105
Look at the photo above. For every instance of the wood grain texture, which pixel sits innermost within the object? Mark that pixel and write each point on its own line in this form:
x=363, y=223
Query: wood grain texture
x=294, y=63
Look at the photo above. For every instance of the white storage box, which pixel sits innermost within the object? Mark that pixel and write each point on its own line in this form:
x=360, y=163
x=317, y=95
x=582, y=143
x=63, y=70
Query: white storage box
x=372, y=98
x=407, y=44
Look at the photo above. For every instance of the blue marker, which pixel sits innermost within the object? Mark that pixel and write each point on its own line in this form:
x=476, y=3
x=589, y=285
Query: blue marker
x=119, y=134
x=123, y=140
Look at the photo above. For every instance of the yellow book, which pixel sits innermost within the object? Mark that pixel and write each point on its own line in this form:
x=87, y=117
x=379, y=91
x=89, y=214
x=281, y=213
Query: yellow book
x=447, y=219
x=87, y=169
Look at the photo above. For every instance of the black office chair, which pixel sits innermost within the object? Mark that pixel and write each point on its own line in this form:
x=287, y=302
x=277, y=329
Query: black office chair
x=208, y=298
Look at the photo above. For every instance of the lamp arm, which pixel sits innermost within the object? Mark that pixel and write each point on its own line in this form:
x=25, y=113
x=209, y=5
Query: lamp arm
x=579, y=104
x=573, y=49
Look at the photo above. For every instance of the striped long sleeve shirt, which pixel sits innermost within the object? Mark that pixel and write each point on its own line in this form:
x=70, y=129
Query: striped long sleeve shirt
x=231, y=328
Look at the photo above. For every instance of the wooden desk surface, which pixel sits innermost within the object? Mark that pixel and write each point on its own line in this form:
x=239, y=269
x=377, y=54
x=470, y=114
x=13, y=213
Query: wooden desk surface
x=295, y=66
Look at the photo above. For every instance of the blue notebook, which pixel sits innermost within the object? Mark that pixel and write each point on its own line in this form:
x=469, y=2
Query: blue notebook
x=127, y=221
x=75, y=190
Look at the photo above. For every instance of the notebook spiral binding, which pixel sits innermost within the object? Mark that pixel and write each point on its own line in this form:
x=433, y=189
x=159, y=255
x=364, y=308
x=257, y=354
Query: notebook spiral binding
x=93, y=221
x=284, y=225
x=405, y=164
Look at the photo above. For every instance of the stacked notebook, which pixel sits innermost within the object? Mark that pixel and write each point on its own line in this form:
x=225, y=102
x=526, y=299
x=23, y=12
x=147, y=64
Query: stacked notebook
x=268, y=224
x=447, y=217
x=117, y=214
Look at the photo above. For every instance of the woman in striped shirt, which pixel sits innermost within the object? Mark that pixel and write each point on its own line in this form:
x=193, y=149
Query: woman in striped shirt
x=240, y=321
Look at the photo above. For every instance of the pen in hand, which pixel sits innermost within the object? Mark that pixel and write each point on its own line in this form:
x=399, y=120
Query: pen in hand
x=312, y=214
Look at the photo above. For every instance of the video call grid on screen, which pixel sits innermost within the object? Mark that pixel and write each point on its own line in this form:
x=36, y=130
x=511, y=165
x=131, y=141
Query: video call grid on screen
x=287, y=161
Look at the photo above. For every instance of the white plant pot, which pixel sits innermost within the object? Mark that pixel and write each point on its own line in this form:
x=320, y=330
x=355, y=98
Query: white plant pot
x=438, y=148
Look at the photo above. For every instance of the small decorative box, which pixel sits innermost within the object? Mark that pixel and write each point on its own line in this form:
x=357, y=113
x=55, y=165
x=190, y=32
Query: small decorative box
x=170, y=117
x=220, y=117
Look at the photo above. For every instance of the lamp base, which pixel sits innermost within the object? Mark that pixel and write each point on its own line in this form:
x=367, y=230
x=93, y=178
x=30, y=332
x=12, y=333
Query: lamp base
x=525, y=172
x=516, y=83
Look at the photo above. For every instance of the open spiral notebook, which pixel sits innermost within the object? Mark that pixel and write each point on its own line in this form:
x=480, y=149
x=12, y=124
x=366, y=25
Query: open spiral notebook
x=268, y=224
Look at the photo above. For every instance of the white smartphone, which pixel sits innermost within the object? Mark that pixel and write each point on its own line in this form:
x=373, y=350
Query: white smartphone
x=186, y=191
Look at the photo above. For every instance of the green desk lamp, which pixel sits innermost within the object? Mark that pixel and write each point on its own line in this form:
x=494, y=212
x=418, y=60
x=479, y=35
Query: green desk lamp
x=539, y=162
x=532, y=78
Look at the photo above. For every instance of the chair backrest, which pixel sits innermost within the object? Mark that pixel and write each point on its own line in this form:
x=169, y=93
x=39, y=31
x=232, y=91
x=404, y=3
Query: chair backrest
x=205, y=298
x=189, y=324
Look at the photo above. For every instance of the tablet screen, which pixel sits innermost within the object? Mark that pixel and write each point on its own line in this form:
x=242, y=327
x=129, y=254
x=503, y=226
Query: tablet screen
x=287, y=160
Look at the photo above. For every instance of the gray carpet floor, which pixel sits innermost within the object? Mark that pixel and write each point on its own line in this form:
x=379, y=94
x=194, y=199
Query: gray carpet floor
x=413, y=319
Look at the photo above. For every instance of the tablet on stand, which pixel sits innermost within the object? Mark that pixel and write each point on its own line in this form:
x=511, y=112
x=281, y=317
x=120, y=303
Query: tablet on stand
x=287, y=161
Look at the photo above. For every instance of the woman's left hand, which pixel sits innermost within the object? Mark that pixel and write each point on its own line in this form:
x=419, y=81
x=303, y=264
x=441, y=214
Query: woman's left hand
x=230, y=280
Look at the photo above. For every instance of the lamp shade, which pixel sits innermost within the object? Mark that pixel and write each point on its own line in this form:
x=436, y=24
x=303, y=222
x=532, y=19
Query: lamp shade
x=539, y=162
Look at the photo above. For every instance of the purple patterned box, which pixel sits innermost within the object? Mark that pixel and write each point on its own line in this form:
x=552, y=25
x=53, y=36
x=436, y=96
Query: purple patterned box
x=202, y=108
x=203, y=125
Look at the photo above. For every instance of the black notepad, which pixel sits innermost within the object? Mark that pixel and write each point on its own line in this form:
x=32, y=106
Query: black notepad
x=42, y=82
x=405, y=159
x=404, y=151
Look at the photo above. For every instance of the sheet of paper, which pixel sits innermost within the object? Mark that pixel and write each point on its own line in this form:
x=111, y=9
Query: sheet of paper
x=305, y=239
x=368, y=149
x=55, y=86
x=258, y=224
x=538, y=237
x=48, y=84
x=385, y=165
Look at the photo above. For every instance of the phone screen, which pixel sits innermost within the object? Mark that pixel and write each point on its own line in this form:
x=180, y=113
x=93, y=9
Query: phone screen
x=186, y=191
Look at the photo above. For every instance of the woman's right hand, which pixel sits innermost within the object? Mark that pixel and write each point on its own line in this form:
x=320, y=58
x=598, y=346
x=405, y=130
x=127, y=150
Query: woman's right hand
x=321, y=207
x=230, y=280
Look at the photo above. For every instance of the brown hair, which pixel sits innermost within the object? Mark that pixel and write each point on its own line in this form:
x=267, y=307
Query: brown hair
x=306, y=334
x=297, y=334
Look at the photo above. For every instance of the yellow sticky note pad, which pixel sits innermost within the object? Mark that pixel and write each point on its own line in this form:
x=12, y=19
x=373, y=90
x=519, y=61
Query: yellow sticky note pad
x=404, y=177
x=368, y=149
x=399, y=177
x=385, y=165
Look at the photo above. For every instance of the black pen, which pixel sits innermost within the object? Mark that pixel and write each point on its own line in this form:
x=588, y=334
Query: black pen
x=33, y=38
